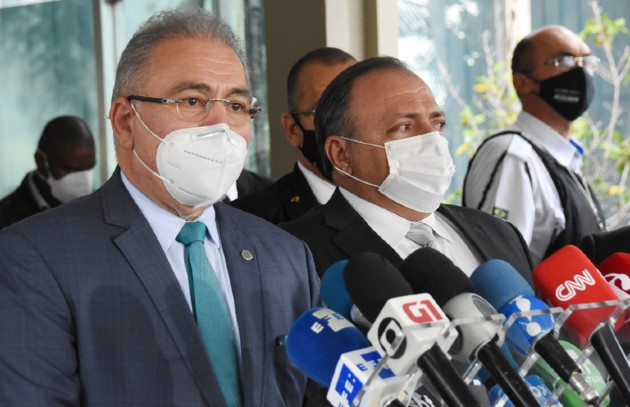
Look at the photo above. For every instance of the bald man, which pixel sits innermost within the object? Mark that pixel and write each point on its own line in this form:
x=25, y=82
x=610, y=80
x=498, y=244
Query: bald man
x=65, y=160
x=529, y=174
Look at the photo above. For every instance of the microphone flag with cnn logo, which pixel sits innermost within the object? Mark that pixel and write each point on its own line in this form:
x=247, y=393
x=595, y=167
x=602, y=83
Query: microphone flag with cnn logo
x=568, y=278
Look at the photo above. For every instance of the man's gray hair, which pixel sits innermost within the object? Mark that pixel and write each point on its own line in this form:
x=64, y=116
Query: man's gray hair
x=189, y=22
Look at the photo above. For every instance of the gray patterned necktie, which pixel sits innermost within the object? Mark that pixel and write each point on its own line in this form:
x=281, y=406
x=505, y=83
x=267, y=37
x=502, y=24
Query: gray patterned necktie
x=422, y=234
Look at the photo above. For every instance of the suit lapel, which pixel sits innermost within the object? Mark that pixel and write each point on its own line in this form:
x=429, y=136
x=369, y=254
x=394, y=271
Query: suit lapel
x=296, y=196
x=245, y=279
x=145, y=256
x=354, y=234
x=474, y=236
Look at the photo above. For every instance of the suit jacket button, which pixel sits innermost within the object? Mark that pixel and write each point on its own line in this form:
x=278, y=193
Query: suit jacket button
x=247, y=255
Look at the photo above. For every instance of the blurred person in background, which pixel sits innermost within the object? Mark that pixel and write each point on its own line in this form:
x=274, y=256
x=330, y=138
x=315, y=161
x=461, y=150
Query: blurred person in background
x=65, y=160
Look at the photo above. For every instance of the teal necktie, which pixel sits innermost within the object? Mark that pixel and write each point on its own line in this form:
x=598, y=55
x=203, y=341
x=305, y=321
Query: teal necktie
x=210, y=311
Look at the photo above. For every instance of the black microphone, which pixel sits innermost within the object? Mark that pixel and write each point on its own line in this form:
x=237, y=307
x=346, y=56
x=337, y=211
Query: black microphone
x=428, y=270
x=386, y=299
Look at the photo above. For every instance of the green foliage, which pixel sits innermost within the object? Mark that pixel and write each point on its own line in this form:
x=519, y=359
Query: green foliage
x=496, y=106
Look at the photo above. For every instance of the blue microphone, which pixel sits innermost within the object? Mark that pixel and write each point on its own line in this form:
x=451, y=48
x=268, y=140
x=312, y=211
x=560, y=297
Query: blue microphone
x=333, y=290
x=318, y=338
x=506, y=290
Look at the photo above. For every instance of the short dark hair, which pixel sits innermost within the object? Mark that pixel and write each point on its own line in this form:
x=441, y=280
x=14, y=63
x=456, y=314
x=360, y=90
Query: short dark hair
x=521, y=57
x=326, y=56
x=64, y=133
x=333, y=115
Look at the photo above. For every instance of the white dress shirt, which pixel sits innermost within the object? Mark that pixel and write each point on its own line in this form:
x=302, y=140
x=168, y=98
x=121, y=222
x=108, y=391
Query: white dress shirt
x=321, y=189
x=166, y=227
x=393, y=228
x=530, y=201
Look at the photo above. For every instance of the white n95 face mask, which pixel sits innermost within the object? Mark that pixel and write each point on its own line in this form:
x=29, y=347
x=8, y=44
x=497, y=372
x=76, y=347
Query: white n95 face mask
x=197, y=165
x=420, y=171
x=71, y=185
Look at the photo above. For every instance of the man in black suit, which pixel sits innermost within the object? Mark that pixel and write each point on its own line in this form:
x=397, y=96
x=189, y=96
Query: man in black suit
x=379, y=130
x=305, y=187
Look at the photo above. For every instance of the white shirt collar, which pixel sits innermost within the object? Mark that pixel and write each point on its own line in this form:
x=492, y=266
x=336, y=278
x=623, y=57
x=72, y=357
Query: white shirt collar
x=321, y=189
x=567, y=153
x=232, y=192
x=166, y=225
x=389, y=226
x=39, y=199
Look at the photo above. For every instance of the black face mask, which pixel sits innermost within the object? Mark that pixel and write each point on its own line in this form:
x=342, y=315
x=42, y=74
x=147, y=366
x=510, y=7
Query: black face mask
x=309, y=145
x=569, y=93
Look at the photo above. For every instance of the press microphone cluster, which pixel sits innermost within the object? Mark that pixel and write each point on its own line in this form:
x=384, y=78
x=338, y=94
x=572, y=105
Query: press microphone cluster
x=427, y=319
x=568, y=278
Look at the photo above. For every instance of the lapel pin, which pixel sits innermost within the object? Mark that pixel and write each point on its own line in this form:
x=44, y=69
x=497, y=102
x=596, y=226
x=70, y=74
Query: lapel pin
x=295, y=199
x=247, y=255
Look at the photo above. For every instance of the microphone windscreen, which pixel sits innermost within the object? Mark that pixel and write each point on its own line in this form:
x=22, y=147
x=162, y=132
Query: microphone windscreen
x=568, y=277
x=498, y=282
x=616, y=270
x=429, y=271
x=371, y=280
x=317, y=339
x=333, y=289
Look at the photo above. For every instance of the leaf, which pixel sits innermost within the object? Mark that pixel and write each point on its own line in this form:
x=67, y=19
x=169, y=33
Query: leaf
x=480, y=88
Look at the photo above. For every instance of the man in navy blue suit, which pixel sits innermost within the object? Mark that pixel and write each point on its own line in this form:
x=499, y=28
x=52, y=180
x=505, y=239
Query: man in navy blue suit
x=95, y=299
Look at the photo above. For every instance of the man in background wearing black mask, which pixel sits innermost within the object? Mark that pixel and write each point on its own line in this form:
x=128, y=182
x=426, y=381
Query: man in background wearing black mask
x=530, y=173
x=305, y=187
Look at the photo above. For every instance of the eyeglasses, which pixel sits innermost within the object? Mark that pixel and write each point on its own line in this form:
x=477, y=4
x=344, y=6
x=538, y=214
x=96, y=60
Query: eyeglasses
x=304, y=113
x=240, y=108
x=568, y=61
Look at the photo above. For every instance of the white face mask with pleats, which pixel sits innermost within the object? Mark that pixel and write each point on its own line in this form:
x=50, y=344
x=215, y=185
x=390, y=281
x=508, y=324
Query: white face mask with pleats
x=420, y=171
x=72, y=185
x=197, y=165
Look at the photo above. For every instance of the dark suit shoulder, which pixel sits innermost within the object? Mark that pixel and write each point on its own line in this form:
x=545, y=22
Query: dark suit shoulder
x=288, y=198
x=248, y=222
x=18, y=205
x=249, y=182
x=491, y=237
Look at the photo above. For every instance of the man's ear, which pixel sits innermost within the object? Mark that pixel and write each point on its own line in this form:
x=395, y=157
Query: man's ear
x=291, y=129
x=337, y=152
x=120, y=114
x=523, y=84
x=40, y=162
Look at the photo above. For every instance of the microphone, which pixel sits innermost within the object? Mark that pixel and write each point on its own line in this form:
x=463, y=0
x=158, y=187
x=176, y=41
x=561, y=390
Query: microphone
x=428, y=270
x=334, y=353
x=332, y=289
x=506, y=290
x=536, y=386
x=616, y=270
x=591, y=373
x=568, y=277
x=350, y=381
x=384, y=297
x=318, y=338
x=335, y=296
